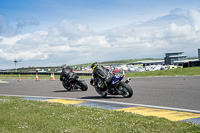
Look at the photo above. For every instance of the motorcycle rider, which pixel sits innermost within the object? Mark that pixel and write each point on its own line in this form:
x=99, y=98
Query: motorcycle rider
x=97, y=72
x=100, y=73
x=67, y=74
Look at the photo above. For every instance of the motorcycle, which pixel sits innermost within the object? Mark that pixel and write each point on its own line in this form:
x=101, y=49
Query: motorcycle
x=114, y=87
x=74, y=82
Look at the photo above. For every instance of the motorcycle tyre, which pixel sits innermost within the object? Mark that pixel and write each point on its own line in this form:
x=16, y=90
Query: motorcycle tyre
x=101, y=93
x=83, y=85
x=128, y=88
x=66, y=87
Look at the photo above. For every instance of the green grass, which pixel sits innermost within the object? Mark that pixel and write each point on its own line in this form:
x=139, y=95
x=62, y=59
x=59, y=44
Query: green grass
x=190, y=71
x=27, y=116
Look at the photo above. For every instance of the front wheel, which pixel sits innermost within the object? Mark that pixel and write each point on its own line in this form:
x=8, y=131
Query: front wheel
x=125, y=89
x=66, y=86
x=101, y=93
x=83, y=85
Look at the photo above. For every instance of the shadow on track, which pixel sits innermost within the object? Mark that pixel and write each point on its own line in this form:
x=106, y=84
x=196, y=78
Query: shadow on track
x=100, y=97
x=67, y=91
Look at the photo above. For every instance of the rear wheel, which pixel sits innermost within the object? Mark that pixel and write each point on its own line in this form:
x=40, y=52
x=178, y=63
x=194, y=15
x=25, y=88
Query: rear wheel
x=125, y=89
x=83, y=85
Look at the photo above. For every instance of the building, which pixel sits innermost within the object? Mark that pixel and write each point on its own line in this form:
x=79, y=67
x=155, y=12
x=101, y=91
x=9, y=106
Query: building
x=174, y=58
x=170, y=58
x=199, y=53
x=189, y=63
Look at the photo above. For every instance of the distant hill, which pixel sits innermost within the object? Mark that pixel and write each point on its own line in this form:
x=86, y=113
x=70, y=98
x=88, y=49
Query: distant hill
x=117, y=62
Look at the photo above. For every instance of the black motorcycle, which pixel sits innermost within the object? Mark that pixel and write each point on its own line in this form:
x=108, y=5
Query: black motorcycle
x=113, y=85
x=72, y=81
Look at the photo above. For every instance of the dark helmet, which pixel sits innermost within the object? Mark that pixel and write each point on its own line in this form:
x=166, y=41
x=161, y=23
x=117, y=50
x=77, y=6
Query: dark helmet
x=63, y=66
x=94, y=65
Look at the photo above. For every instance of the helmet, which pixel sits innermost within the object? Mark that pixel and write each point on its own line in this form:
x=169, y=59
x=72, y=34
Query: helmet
x=94, y=65
x=63, y=66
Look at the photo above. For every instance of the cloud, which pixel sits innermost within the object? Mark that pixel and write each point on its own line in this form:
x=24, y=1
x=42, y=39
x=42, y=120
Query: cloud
x=74, y=43
x=22, y=22
x=3, y=24
x=25, y=55
x=5, y=28
x=69, y=29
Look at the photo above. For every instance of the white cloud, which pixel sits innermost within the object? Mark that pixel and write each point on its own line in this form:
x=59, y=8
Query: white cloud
x=75, y=43
x=25, y=55
x=195, y=19
x=68, y=29
x=92, y=41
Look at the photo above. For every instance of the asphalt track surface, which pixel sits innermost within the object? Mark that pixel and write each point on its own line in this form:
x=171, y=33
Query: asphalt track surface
x=168, y=92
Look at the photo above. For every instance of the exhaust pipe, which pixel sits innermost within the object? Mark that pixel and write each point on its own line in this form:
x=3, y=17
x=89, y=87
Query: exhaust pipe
x=128, y=80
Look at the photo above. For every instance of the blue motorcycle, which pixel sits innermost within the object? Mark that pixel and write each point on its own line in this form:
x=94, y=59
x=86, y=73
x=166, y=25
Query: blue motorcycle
x=113, y=85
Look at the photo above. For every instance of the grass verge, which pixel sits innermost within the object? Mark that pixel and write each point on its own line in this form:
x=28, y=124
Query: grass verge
x=19, y=116
x=190, y=71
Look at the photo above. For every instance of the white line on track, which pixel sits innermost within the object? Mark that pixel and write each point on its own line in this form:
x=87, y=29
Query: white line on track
x=102, y=101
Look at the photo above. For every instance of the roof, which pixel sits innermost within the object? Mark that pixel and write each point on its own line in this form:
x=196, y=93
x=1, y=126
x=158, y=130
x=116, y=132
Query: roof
x=175, y=53
x=149, y=61
x=186, y=61
x=174, y=56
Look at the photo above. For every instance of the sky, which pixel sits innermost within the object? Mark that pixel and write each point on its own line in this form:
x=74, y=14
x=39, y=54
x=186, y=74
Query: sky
x=55, y=32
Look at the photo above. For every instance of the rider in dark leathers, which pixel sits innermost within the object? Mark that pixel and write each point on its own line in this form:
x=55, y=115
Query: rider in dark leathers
x=100, y=73
x=97, y=71
x=67, y=75
x=66, y=72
